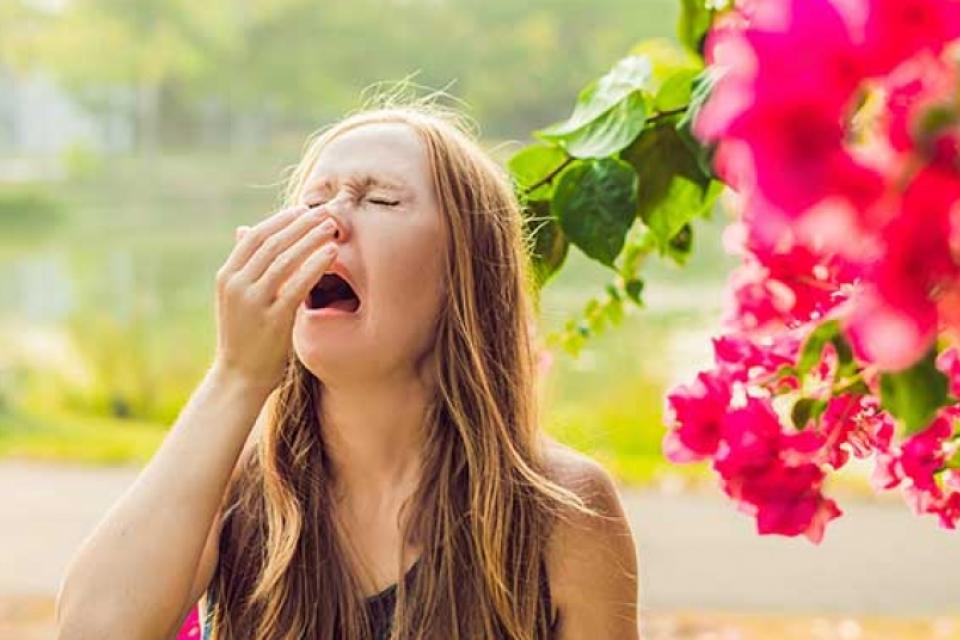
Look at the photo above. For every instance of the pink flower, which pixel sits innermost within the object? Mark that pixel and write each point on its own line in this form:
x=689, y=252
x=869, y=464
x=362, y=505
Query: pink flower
x=854, y=424
x=948, y=510
x=913, y=86
x=946, y=506
x=770, y=473
x=895, y=320
x=895, y=30
x=741, y=358
x=887, y=473
x=696, y=412
x=923, y=454
x=889, y=336
x=918, y=256
x=784, y=286
x=791, y=132
x=948, y=361
x=750, y=439
x=792, y=150
x=757, y=55
x=789, y=501
x=190, y=630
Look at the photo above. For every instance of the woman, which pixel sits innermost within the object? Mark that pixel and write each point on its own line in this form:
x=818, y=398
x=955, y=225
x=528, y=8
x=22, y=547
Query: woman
x=394, y=482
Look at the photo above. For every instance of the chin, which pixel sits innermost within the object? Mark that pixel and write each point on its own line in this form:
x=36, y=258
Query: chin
x=323, y=353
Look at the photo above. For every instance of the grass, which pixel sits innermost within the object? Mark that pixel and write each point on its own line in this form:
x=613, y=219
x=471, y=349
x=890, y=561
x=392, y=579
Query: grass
x=81, y=439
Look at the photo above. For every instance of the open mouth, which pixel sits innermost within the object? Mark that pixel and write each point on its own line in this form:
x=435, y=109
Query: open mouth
x=333, y=292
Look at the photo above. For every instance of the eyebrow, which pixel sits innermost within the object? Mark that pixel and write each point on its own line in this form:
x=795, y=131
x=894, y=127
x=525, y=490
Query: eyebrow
x=364, y=180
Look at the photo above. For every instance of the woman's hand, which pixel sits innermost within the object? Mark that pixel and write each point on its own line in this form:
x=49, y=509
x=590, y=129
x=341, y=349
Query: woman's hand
x=266, y=277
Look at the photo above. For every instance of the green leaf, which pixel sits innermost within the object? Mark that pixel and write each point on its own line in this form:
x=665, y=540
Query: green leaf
x=933, y=120
x=549, y=244
x=532, y=164
x=595, y=202
x=914, y=394
x=800, y=413
x=611, y=132
x=786, y=371
x=953, y=462
x=806, y=409
x=667, y=57
x=701, y=88
x=676, y=91
x=639, y=243
x=694, y=23
x=634, y=289
x=627, y=75
x=812, y=350
x=681, y=244
x=856, y=387
x=672, y=189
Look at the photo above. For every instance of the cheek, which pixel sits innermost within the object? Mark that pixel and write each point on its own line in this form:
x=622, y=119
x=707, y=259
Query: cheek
x=410, y=267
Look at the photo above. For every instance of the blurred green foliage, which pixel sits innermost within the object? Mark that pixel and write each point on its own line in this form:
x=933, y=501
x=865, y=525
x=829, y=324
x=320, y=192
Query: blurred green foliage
x=29, y=214
x=207, y=71
x=81, y=161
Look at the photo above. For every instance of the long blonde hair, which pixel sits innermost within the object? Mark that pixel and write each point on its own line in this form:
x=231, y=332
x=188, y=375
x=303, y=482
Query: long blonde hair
x=487, y=502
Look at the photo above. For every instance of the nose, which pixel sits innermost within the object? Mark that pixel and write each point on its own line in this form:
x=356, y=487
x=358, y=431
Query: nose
x=341, y=229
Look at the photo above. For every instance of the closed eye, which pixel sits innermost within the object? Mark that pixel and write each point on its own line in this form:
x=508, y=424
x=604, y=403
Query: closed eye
x=386, y=203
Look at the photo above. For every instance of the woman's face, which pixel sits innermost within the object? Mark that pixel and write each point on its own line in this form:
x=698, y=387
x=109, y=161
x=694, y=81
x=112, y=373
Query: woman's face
x=375, y=182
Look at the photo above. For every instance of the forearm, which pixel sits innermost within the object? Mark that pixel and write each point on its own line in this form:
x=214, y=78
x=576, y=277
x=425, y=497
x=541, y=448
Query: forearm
x=134, y=572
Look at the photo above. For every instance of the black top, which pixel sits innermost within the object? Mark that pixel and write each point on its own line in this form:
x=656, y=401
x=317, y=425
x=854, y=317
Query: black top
x=381, y=605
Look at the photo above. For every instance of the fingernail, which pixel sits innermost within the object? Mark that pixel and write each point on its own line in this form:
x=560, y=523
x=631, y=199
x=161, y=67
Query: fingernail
x=326, y=225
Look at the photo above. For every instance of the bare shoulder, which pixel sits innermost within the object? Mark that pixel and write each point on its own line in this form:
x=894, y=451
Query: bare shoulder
x=581, y=474
x=591, y=558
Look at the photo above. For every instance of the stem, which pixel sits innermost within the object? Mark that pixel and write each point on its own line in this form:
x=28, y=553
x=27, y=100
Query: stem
x=550, y=176
x=666, y=114
x=563, y=165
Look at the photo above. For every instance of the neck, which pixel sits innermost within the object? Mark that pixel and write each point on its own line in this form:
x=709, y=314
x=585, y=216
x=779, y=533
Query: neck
x=374, y=435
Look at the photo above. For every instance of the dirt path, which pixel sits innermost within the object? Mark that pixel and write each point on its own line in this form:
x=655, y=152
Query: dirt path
x=696, y=552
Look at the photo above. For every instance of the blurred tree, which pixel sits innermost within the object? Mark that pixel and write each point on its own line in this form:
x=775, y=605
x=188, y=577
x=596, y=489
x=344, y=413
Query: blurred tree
x=225, y=70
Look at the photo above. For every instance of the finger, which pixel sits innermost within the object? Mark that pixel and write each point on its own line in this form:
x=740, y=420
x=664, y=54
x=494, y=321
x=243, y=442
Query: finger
x=285, y=263
x=272, y=247
x=240, y=231
x=295, y=290
x=253, y=238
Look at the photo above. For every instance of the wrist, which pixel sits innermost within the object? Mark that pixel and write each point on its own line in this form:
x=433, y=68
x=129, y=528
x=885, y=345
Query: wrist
x=237, y=383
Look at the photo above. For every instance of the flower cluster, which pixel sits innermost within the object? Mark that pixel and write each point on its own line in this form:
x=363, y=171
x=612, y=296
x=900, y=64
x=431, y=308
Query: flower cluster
x=733, y=415
x=837, y=124
x=846, y=160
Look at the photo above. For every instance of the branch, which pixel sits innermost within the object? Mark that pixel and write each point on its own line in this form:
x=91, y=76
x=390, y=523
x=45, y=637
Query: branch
x=666, y=114
x=550, y=176
x=563, y=165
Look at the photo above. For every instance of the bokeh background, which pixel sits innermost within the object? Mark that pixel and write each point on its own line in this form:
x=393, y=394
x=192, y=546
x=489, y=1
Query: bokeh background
x=136, y=134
